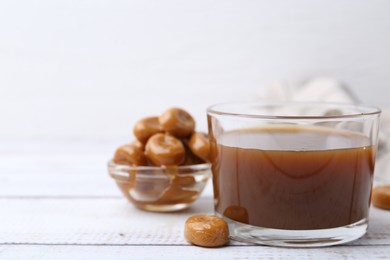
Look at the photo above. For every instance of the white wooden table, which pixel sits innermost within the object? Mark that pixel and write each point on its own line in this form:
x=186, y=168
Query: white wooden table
x=58, y=202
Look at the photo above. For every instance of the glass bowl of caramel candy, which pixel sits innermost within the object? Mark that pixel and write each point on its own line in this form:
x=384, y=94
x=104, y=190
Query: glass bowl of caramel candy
x=167, y=166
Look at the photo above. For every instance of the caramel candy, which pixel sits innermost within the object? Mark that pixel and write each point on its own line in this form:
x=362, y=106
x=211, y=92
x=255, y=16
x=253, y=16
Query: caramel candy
x=129, y=154
x=164, y=149
x=138, y=144
x=177, y=122
x=206, y=231
x=146, y=127
x=200, y=146
x=175, y=194
x=237, y=213
x=191, y=158
x=381, y=197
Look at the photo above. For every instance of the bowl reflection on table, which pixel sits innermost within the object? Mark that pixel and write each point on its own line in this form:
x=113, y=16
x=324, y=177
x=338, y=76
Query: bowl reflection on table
x=161, y=189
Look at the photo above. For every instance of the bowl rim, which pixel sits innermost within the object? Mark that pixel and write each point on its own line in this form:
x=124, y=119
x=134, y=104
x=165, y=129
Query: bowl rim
x=155, y=172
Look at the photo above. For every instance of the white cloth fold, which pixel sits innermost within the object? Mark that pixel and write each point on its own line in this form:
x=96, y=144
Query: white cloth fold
x=321, y=89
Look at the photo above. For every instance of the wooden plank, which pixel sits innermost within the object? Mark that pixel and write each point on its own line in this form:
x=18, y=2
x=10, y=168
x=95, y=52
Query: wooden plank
x=90, y=221
x=116, y=222
x=52, y=182
x=58, y=168
x=57, y=184
x=49, y=161
x=67, y=155
x=188, y=252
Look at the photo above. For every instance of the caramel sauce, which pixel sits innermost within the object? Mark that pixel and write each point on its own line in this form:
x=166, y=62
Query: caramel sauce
x=292, y=177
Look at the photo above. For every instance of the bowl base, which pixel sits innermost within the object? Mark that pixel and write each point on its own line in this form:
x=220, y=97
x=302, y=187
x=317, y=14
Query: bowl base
x=164, y=208
x=295, y=238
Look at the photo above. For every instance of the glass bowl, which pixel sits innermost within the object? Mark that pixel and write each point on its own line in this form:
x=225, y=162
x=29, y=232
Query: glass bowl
x=161, y=189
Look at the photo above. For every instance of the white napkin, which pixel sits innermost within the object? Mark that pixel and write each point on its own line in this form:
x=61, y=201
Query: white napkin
x=331, y=90
x=321, y=89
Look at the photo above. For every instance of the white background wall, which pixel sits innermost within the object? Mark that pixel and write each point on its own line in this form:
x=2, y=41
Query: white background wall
x=89, y=68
